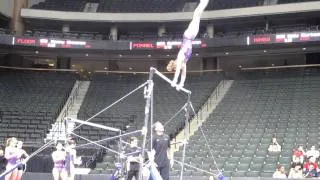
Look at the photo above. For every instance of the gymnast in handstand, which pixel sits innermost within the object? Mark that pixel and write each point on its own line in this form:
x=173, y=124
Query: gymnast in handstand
x=180, y=64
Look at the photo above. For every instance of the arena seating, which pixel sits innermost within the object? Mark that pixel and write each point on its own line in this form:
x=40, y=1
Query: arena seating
x=30, y=103
x=105, y=89
x=257, y=107
x=2, y=31
x=61, y=5
x=121, y=6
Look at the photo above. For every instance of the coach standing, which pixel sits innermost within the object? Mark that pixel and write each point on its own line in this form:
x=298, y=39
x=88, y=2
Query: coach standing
x=163, y=156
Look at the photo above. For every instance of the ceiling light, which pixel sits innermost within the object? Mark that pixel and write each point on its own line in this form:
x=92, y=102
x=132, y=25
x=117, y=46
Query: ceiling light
x=265, y=51
x=304, y=49
x=227, y=53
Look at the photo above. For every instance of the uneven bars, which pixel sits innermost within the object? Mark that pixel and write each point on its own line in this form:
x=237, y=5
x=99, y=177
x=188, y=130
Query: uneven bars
x=110, y=138
x=111, y=150
x=10, y=170
x=168, y=80
x=92, y=124
x=114, y=103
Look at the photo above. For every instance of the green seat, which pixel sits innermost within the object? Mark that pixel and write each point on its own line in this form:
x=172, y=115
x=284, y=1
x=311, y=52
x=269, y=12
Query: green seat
x=245, y=160
x=253, y=174
x=233, y=160
x=260, y=153
x=239, y=174
x=255, y=167
x=266, y=174
x=285, y=160
x=227, y=173
x=258, y=160
x=248, y=153
x=269, y=168
x=237, y=153
x=225, y=154
x=230, y=166
x=243, y=167
x=271, y=160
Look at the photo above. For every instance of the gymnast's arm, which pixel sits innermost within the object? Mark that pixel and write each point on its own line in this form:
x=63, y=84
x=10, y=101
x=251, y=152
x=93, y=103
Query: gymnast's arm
x=183, y=73
x=179, y=64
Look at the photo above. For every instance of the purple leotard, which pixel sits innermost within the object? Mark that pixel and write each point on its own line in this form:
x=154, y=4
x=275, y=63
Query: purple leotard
x=11, y=155
x=59, y=165
x=13, y=160
x=187, y=47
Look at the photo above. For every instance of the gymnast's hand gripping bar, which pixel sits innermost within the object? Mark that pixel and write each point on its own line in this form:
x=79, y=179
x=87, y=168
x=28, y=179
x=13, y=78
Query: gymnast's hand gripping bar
x=168, y=80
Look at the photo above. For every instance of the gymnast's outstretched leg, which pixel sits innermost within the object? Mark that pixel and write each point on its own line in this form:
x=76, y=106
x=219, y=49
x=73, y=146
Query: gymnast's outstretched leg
x=192, y=31
x=180, y=64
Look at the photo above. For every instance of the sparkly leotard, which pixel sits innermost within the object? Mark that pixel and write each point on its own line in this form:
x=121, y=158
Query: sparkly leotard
x=186, y=48
x=59, y=165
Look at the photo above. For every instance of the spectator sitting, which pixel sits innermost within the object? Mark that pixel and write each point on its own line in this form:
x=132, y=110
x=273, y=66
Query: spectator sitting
x=298, y=155
x=312, y=152
x=274, y=146
x=296, y=172
x=280, y=173
x=311, y=168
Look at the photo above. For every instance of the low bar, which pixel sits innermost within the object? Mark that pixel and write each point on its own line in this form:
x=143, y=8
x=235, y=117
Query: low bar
x=92, y=124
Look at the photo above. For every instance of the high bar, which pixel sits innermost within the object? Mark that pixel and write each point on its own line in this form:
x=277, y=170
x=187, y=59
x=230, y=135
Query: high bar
x=168, y=80
x=92, y=124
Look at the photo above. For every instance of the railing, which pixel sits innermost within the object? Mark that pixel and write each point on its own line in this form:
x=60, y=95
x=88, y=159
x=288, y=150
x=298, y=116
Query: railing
x=146, y=72
x=37, y=69
x=74, y=94
x=208, y=104
x=58, y=128
x=280, y=67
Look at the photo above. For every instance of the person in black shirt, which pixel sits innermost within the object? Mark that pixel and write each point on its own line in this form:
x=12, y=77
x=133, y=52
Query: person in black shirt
x=133, y=152
x=161, y=145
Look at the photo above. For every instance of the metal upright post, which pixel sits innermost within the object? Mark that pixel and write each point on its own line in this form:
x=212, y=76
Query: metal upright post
x=120, y=147
x=186, y=134
x=148, y=96
x=151, y=120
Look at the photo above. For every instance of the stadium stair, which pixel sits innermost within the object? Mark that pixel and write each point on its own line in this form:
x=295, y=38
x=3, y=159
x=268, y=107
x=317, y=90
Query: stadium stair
x=70, y=109
x=210, y=105
x=75, y=107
